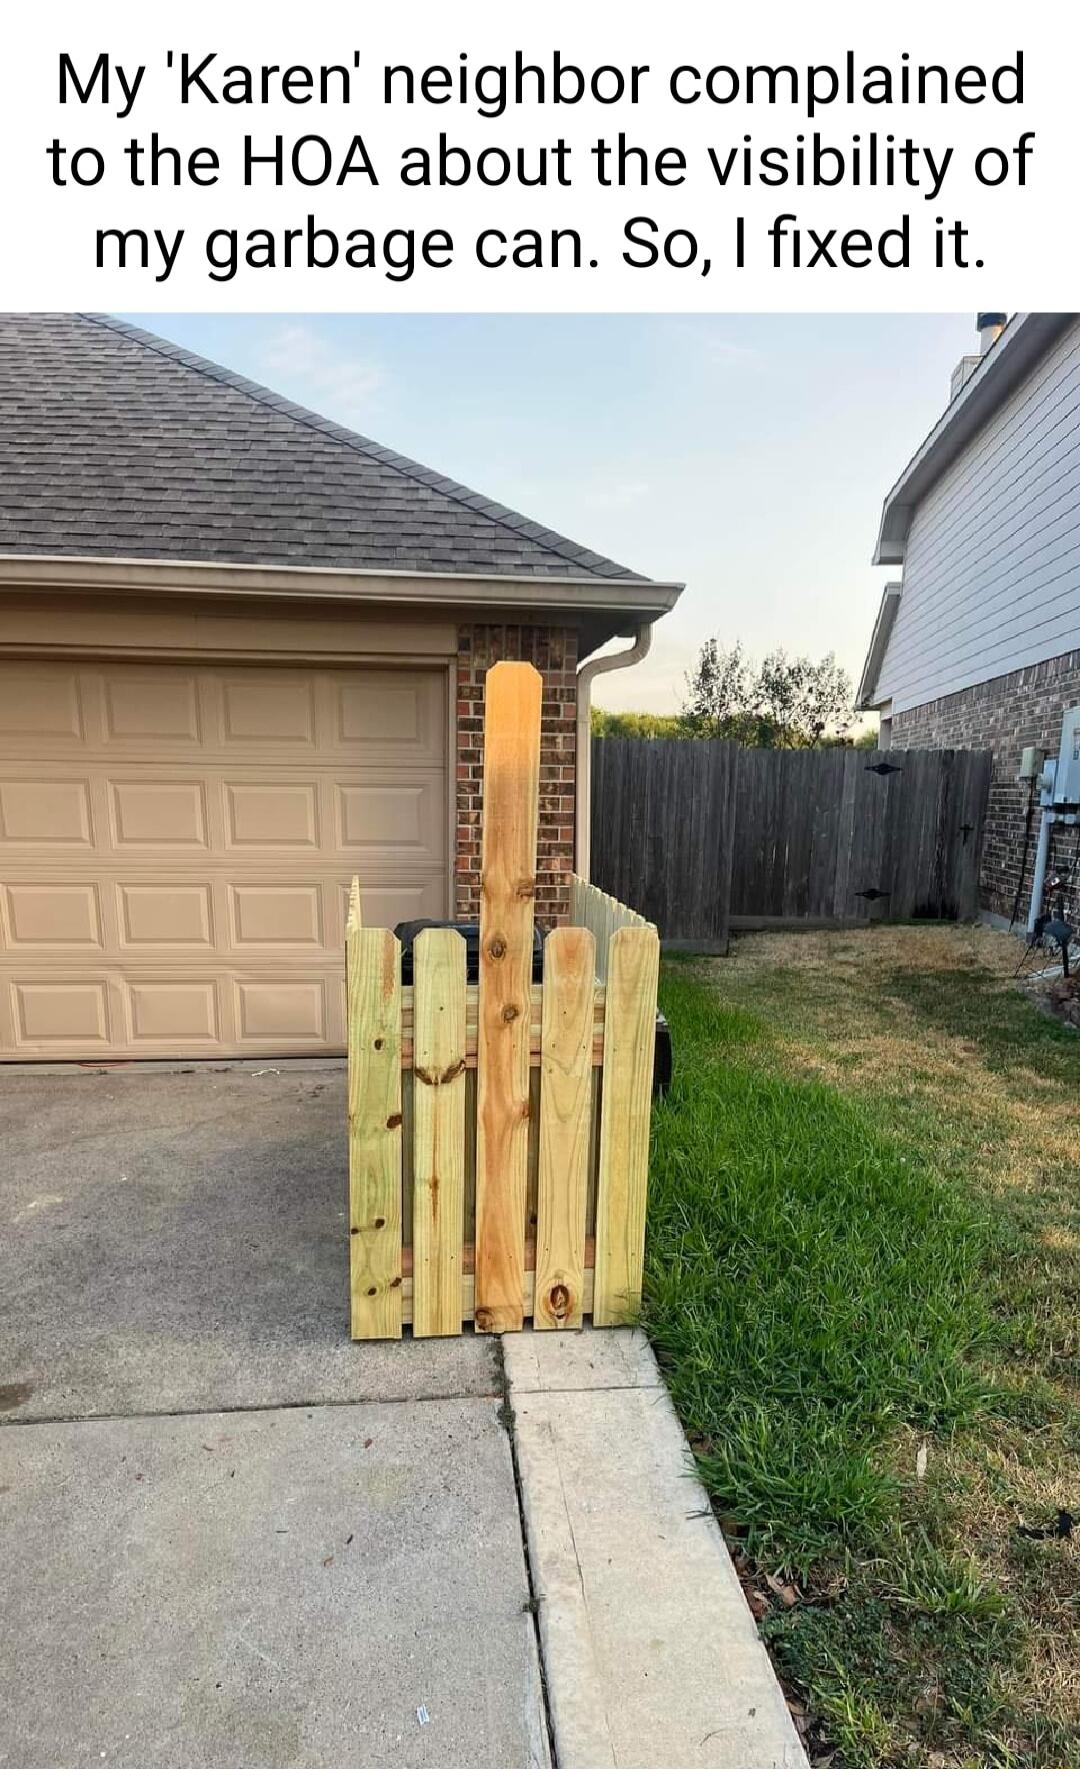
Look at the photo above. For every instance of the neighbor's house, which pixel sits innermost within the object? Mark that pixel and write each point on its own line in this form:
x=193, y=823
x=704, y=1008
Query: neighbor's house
x=978, y=645
x=242, y=656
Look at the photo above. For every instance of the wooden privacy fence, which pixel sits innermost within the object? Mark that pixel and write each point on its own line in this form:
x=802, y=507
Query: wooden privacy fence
x=706, y=836
x=499, y=1130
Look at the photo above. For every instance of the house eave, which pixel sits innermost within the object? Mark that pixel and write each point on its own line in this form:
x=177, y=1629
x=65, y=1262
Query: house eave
x=621, y=600
x=1026, y=338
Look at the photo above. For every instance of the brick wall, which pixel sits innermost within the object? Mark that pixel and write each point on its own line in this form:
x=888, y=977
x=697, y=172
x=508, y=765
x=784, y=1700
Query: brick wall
x=1003, y=715
x=553, y=651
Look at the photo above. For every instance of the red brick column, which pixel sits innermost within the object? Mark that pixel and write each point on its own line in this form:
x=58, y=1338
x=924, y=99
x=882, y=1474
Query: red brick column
x=553, y=651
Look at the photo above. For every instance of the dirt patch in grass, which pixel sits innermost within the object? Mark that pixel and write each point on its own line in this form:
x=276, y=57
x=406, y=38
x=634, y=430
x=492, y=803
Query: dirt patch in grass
x=865, y=1286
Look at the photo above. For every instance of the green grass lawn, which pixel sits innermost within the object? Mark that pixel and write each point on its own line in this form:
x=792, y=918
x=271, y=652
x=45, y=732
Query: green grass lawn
x=863, y=1282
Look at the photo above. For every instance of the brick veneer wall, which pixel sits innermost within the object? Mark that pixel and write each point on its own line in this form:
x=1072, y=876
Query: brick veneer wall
x=553, y=651
x=1004, y=715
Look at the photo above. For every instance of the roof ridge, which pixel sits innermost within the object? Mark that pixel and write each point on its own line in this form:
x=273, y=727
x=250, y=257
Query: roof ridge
x=512, y=520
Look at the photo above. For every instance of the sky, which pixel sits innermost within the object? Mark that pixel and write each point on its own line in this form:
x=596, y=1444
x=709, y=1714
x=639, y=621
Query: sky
x=746, y=456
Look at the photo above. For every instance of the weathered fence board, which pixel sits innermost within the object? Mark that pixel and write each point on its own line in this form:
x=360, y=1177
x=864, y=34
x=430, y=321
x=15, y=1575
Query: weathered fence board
x=706, y=834
x=438, y=1129
x=565, y=1103
x=667, y=814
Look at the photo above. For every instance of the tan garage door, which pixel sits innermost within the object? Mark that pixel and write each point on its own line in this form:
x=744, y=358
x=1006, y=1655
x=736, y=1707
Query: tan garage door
x=176, y=845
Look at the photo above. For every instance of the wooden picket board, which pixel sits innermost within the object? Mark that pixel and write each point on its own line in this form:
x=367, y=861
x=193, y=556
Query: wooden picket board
x=603, y=915
x=626, y=1106
x=507, y=889
x=373, y=971
x=565, y=1100
x=438, y=1131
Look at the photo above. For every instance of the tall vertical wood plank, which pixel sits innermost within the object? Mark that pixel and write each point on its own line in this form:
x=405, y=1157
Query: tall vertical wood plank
x=438, y=1216
x=373, y=968
x=354, y=921
x=565, y=1101
x=626, y=1109
x=507, y=889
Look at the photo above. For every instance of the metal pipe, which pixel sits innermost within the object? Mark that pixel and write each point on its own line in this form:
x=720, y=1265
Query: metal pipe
x=1042, y=854
x=596, y=666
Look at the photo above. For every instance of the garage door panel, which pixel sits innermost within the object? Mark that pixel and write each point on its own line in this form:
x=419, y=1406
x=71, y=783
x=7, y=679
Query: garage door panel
x=158, y=706
x=268, y=708
x=271, y=814
x=176, y=846
x=52, y=915
x=403, y=717
x=158, y=813
x=60, y=1015
x=405, y=818
x=275, y=915
x=176, y=1012
x=162, y=915
x=385, y=904
x=45, y=812
x=289, y=1011
x=39, y=704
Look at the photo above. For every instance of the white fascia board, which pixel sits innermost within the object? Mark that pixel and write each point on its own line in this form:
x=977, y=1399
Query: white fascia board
x=865, y=700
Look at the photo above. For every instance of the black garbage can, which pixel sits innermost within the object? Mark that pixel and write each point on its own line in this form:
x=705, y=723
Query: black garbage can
x=407, y=931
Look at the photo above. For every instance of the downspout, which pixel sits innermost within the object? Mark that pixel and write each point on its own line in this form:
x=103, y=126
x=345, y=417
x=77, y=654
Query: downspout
x=597, y=666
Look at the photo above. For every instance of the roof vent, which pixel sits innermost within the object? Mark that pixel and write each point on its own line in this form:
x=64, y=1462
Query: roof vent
x=989, y=327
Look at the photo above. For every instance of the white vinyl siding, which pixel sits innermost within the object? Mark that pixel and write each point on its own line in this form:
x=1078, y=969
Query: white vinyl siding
x=992, y=562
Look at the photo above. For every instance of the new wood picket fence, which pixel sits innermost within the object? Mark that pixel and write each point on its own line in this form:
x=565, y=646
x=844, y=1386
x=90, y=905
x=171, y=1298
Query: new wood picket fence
x=499, y=1130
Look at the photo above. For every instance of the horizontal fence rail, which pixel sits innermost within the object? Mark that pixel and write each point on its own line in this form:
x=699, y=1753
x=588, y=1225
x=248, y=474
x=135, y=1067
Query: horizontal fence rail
x=707, y=836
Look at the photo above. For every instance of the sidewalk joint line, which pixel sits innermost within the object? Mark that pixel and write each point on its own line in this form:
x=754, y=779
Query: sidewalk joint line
x=507, y=1414
x=274, y=1406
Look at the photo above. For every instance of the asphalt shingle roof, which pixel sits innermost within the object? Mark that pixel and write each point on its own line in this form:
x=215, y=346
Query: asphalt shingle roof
x=118, y=444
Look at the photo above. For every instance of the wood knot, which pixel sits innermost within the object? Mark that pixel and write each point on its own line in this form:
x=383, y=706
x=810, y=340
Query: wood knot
x=393, y=1121
x=430, y=1078
x=559, y=1301
x=524, y=889
x=482, y=1320
x=510, y=1013
x=380, y=1222
x=395, y=1283
x=496, y=949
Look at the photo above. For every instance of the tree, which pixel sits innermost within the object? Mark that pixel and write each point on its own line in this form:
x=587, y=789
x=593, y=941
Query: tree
x=803, y=700
x=788, y=703
x=609, y=724
x=718, y=691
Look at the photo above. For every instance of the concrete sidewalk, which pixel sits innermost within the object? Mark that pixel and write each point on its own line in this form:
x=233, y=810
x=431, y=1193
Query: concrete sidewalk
x=232, y=1539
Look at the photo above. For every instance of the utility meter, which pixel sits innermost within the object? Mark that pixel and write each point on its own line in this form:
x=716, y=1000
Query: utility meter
x=1067, y=779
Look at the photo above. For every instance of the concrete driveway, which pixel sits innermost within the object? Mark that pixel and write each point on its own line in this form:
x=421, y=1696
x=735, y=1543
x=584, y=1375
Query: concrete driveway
x=231, y=1539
